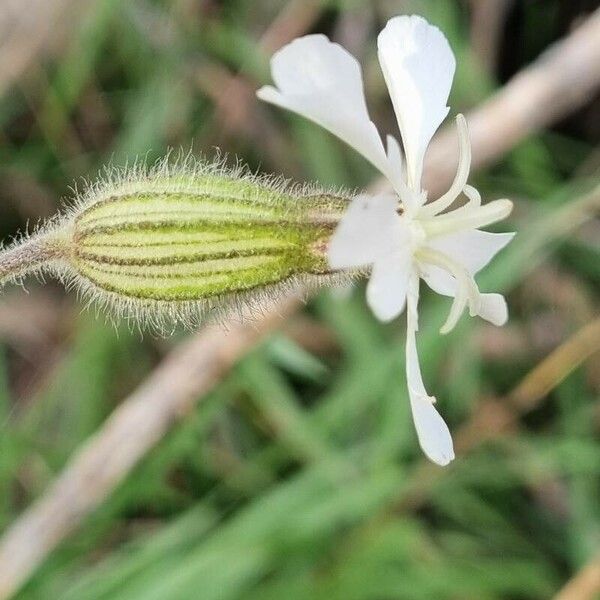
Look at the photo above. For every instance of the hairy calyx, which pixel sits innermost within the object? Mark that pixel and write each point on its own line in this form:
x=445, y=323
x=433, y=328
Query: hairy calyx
x=175, y=243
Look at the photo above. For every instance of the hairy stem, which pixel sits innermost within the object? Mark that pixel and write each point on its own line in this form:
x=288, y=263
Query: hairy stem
x=30, y=255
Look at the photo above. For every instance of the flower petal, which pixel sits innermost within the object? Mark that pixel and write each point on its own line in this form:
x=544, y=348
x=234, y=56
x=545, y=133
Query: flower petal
x=440, y=281
x=366, y=232
x=433, y=433
x=397, y=177
x=411, y=199
x=418, y=66
x=372, y=233
x=321, y=81
x=473, y=248
x=387, y=287
x=394, y=155
x=493, y=309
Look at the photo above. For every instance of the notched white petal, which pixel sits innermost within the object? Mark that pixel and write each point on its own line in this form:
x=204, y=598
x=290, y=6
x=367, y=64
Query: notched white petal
x=371, y=233
x=366, y=232
x=418, y=66
x=321, y=81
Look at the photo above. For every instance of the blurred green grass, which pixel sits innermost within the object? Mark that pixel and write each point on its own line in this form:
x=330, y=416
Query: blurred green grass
x=297, y=477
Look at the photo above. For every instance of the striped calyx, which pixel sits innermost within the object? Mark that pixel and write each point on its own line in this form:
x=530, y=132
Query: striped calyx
x=202, y=236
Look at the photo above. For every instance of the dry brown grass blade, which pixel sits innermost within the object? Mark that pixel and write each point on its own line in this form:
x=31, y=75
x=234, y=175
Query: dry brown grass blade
x=559, y=82
x=493, y=419
x=296, y=18
x=487, y=20
x=28, y=28
x=555, y=367
x=585, y=585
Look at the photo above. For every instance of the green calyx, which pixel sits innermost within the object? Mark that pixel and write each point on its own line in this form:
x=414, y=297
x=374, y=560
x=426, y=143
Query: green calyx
x=180, y=242
x=190, y=245
x=176, y=243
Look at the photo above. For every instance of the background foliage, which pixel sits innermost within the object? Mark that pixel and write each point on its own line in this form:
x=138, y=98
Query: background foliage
x=300, y=476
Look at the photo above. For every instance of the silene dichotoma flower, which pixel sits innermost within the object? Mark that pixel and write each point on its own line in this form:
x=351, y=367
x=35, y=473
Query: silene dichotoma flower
x=400, y=236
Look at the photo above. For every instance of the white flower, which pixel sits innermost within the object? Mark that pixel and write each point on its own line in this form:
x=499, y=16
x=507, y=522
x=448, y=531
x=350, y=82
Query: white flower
x=399, y=236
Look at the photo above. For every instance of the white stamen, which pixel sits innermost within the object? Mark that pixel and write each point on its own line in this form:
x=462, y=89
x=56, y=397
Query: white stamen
x=456, y=310
x=462, y=172
x=473, y=196
x=466, y=288
x=473, y=202
x=459, y=219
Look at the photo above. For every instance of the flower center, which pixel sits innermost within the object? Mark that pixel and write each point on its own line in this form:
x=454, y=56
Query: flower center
x=418, y=235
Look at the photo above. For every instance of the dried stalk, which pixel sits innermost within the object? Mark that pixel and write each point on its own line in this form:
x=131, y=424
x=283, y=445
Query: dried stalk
x=487, y=20
x=585, y=585
x=560, y=81
x=296, y=18
x=558, y=365
x=28, y=28
x=170, y=393
x=494, y=419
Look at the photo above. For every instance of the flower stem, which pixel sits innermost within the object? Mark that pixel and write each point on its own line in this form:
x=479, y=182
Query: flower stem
x=30, y=255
